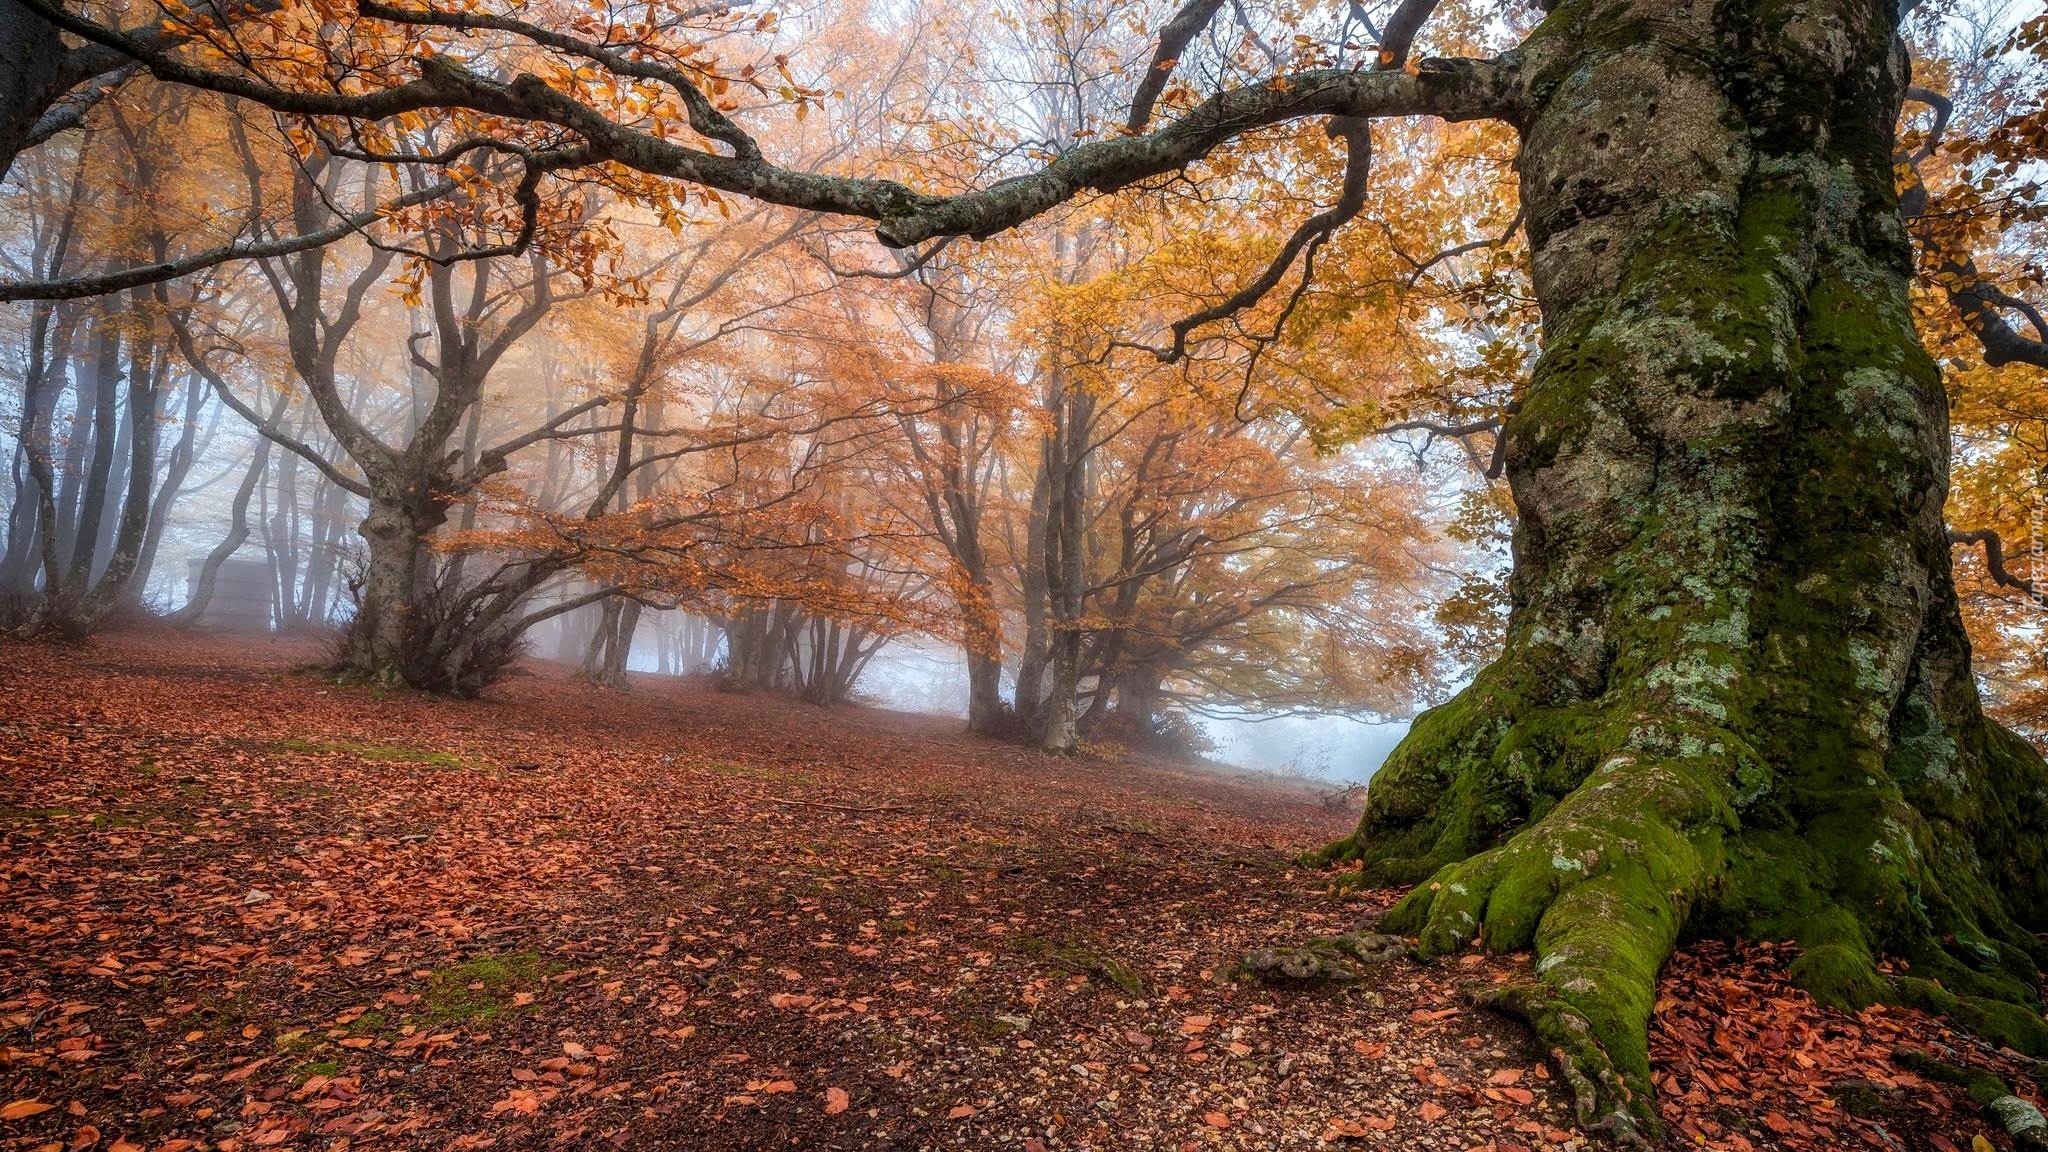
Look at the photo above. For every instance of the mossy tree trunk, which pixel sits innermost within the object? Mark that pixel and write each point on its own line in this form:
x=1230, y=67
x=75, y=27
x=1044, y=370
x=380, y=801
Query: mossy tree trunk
x=1736, y=696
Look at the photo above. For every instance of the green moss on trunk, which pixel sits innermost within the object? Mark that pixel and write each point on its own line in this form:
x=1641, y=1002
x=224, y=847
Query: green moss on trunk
x=1736, y=697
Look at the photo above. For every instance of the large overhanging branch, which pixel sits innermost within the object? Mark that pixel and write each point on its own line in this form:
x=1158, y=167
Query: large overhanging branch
x=1460, y=89
x=1451, y=89
x=70, y=111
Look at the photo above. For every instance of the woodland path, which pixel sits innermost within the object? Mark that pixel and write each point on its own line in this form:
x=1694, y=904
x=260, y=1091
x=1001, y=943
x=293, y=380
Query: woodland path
x=243, y=907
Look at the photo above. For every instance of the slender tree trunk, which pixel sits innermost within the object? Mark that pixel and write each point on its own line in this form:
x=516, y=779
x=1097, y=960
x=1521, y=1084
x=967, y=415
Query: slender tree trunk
x=23, y=531
x=33, y=526
x=331, y=504
x=32, y=537
x=1031, y=658
x=175, y=470
x=78, y=435
x=1065, y=571
x=125, y=550
x=472, y=428
x=91, y=493
x=112, y=507
x=238, y=529
x=282, y=533
x=604, y=662
x=36, y=437
x=1736, y=695
x=622, y=643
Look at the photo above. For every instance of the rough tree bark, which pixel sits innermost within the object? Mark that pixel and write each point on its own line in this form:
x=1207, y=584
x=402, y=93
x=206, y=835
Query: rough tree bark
x=397, y=575
x=1736, y=696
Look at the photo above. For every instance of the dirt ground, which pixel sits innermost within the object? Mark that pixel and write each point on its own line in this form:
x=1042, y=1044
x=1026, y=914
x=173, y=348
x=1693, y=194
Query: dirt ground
x=244, y=907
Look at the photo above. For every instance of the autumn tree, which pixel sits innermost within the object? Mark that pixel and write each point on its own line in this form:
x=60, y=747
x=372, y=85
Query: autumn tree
x=97, y=481
x=1736, y=696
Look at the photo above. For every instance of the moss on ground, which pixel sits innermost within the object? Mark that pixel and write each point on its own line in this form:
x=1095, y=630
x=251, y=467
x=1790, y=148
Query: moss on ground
x=1082, y=960
x=382, y=753
x=481, y=989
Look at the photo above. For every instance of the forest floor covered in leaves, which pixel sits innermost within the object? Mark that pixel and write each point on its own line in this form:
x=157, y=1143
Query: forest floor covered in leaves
x=244, y=907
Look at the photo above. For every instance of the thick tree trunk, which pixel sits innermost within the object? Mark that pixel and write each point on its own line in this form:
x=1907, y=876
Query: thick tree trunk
x=1137, y=698
x=984, y=693
x=396, y=584
x=982, y=644
x=1736, y=695
x=34, y=73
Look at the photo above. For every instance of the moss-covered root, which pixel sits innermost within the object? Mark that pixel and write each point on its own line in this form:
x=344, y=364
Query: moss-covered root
x=2020, y=1119
x=1602, y=1100
x=1332, y=960
x=1599, y=887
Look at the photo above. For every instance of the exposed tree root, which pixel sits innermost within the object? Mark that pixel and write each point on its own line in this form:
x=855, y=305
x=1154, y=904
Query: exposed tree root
x=1601, y=1099
x=1649, y=845
x=1334, y=959
x=1599, y=888
x=2019, y=1119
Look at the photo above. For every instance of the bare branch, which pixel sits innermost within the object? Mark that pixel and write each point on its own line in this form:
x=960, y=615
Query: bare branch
x=100, y=284
x=1994, y=557
x=197, y=359
x=1174, y=38
x=492, y=460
